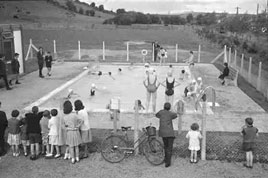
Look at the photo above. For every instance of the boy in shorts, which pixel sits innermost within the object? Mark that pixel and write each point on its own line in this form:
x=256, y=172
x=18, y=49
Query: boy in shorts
x=34, y=130
x=249, y=134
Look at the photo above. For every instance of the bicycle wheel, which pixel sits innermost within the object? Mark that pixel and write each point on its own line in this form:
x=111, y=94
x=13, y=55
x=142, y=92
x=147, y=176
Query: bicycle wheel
x=154, y=151
x=111, y=149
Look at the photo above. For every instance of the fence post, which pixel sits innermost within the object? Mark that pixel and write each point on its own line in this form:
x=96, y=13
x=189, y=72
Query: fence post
x=153, y=53
x=136, y=128
x=235, y=58
x=31, y=49
x=204, y=112
x=249, y=69
x=103, y=50
x=79, y=51
x=259, y=77
x=230, y=55
x=55, y=49
x=225, y=55
x=176, y=55
x=199, y=51
x=242, y=64
x=127, y=51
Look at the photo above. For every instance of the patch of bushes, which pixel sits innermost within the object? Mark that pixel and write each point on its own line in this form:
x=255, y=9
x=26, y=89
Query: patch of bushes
x=253, y=48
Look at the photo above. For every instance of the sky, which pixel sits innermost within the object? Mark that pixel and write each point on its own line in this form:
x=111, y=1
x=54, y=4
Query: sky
x=180, y=6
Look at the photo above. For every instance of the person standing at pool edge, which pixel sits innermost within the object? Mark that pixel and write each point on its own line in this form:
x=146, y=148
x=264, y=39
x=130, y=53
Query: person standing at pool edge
x=40, y=60
x=166, y=130
x=151, y=84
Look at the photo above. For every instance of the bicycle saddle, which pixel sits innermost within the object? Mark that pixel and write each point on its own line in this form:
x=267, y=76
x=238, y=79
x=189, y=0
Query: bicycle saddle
x=126, y=128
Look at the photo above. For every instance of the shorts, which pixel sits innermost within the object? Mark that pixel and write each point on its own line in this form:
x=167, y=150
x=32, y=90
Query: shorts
x=35, y=138
x=86, y=136
x=25, y=142
x=45, y=138
x=248, y=146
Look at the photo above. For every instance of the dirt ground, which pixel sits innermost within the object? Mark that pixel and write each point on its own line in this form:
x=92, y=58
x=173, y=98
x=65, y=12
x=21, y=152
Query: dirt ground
x=132, y=167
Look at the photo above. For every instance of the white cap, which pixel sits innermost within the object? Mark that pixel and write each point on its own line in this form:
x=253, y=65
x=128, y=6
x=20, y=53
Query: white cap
x=193, y=81
x=199, y=78
x=146, y=65
x=93, y=85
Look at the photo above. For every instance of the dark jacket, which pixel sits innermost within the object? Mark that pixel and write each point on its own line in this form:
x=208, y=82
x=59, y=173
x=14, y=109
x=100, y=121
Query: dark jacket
x=40, y=57
x=15, y=66
x=3, y=123
x=226, y=71
x=32, y=121
x=3, y=69
x=166, y=126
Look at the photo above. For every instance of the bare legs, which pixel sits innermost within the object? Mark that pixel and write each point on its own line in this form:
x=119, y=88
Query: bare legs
x=74, y=153
x=148, y=98
x=249, y=157
x=193, y=158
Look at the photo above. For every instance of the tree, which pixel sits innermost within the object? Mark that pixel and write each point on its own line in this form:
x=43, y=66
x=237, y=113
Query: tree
x=92, y=4
x=92, y=13
x=70, y=5
x=199, y=19
x=189, y=18
x=81, y=11
x=101, y=8
x=155, y=19
x=120, y=11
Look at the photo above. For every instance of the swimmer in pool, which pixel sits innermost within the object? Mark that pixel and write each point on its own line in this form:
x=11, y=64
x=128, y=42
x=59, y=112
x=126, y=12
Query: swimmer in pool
x=100, y=73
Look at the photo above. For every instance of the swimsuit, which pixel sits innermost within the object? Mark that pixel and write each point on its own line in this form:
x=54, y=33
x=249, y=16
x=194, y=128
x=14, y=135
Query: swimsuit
x=151, y=88
x=170, y=88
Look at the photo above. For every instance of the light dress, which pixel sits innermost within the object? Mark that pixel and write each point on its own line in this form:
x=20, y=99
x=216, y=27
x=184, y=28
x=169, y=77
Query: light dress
x=85, y=127
x=194, y=140
x=53, y=125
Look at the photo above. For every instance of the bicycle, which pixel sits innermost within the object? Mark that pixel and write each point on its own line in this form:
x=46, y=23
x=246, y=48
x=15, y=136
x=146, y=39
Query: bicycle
x=115, y=148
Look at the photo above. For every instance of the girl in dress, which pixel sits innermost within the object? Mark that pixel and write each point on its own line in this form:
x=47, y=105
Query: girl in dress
x=53, y=125
x=194, y=136
x=72, y=124
x=85, y=127
x=14, y=133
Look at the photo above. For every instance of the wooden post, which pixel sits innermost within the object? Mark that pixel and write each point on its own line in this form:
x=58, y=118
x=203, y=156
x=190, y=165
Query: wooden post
x=235, y=58
x=249, y=69
x=230, y=56
x=127, y=51
x=79, y=51
x=115, y=120
x=153, y=53
x=259, y=77
x=242, y=64
x=55, y=49
x=176, y=55
x=103, y=50
x=225, y=55
x=204, y=112
x=199, y=53
x=31, y=49
x=136, y=128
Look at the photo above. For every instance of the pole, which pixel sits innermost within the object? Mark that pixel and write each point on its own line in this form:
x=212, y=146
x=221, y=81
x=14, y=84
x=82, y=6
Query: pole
x=199, y=51
x=127, y=51
x=115, y=119
x=242, y=64
x=204, y=112
x=31, y=50
x=79, y=51
x=103, y=50
x=235, y=58
x=55, y=50
x=176, y=55
x=230, y=55
x=153, y=53
x=249, y=69
x=225, y=55
x=136, y=128
x=259, y=77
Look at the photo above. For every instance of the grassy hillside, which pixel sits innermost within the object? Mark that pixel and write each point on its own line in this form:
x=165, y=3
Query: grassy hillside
x=42, y=12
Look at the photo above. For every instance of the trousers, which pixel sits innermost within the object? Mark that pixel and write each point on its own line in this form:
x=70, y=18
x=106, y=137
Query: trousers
x=168, y=147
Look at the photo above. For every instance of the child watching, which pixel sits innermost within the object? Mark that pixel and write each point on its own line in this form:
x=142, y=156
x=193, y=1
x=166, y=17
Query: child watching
x=53, y=125
x=249, y=134
x=48, y=60
x=194, y=145
x=24, y=136
x=44, y=132
x=14, y=133
x=34, y=130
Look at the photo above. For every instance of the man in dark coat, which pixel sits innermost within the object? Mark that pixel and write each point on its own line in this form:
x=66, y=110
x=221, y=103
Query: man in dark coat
x=225, y=73
x=166, y=131
x=40, y=60
x=3, y=126
x=3, y=71
x=15, y=66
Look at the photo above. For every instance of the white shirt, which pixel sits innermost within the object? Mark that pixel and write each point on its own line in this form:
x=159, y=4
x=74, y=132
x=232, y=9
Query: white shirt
x=53, y=125
x=84, y=116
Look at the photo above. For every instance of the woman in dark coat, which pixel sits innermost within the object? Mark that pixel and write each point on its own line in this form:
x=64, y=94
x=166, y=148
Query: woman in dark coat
x=15, y=66
x=224, y=74
x=166, y=130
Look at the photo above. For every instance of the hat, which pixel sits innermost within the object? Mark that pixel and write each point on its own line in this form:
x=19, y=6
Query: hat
x=93, y=85
x=193, y=81
x=146, y=65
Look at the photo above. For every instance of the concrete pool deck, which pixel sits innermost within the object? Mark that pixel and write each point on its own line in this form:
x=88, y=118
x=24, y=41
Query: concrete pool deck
x=234, y=105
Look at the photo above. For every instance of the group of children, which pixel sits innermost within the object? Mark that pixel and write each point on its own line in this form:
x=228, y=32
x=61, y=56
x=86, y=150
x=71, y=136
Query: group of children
x=51, y=130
